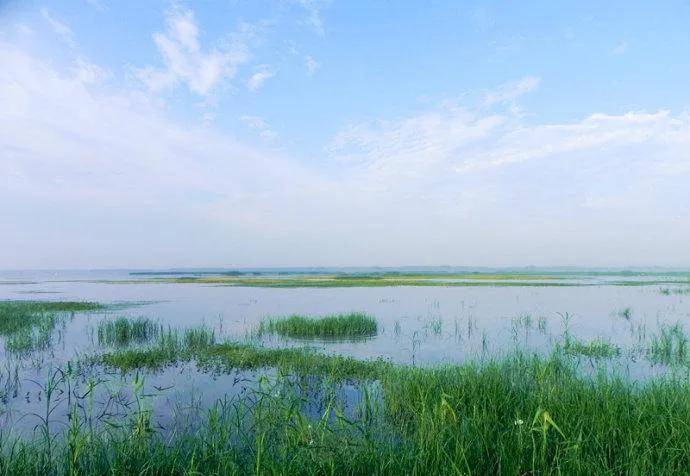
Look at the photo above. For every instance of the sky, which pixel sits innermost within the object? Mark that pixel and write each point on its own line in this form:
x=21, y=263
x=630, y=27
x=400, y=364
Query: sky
x=344, y=133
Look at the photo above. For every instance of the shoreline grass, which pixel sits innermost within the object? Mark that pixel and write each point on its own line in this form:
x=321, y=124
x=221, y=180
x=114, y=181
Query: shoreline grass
x=354, y=325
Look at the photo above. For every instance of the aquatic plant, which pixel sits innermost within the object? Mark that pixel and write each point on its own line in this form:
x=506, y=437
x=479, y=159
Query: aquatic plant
x=351, y=325
x=123, y=331
x=521, y=414
x=28, y=326
x=669, y=346
x=596, y=349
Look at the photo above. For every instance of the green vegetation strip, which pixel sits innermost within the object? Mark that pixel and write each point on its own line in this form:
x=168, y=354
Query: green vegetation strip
x=352, y=325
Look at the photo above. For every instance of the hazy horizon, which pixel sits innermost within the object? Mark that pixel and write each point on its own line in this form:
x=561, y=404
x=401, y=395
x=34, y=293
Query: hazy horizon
x=317, y=133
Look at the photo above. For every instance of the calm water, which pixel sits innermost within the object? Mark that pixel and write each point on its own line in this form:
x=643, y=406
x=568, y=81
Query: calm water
x=418, y=325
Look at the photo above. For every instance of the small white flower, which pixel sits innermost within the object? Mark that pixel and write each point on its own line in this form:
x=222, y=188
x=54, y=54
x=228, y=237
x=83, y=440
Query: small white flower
x=518, y=422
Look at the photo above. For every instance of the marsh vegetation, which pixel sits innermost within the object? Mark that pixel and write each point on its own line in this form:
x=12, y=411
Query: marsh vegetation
x=534, y=391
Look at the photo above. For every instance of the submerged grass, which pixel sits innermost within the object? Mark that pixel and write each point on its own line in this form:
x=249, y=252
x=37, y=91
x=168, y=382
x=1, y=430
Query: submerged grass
x=352, y=325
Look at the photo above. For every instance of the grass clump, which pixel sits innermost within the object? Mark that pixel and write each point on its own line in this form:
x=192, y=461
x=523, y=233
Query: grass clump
x=337, y=326
x=123, y=331
x=669, y=346
x=300, y=361
x=595, y=349
x=18, y=315
x=28, y=326
x=168, y=348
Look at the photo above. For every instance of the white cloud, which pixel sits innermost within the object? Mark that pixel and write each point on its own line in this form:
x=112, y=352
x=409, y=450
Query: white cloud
x=313, y=10
x=76, y=151
x=259, y=125
x=62, y=30
x=187, y=62
x=88, y=72
x=312, y=64
x=510, y=92
x=596, y=191
x=98, y=5
x=259, y=78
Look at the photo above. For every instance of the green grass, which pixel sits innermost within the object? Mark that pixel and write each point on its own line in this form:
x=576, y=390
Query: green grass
x=169, y=347
x=16, y=315
x=124, y=331
x=595, y=349
x=336, y=326
x=27, y=326
x=670, y=346
x=518, y=415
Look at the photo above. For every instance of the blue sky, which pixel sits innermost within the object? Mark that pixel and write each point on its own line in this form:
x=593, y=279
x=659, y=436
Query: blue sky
x=287, y=133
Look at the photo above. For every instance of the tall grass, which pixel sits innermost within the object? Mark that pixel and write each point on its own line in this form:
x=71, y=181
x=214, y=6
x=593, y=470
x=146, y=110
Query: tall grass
x=596, y=349
x=124, y=331
x=670, y=345
x=351, y=325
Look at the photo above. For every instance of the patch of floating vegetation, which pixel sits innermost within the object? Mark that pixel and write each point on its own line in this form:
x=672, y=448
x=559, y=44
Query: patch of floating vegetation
x=122, y=331
x=354, y=325
x=595, y=349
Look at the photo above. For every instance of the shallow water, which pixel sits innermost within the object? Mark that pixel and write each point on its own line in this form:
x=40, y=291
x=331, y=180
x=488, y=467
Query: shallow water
x=417, y=325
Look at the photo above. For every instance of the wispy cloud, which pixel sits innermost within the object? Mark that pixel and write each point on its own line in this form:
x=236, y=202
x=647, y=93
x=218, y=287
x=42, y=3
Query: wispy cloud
x=508, y=93
x=313, y=14
x=257, y=124
x=61, y=29
x=257, y=80
x=312, y=64
x=187, y=62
